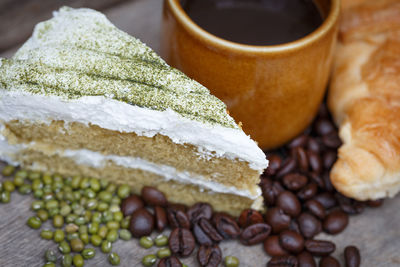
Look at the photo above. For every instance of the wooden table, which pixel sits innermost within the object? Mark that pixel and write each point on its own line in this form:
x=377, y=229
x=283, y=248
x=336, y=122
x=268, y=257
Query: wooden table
x=376, y=232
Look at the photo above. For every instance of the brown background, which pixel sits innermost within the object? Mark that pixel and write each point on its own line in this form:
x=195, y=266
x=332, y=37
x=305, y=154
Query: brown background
x=376, y=232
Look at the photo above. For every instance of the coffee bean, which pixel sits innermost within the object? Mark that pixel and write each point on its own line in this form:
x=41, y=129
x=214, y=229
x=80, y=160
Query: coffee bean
x=294, y=226
x=348, y=205
x=308, y=191
x=161, y=218
x=249, y=217
x=181, y=242
x=209, y=256
x=275, y=163
x=326, y=199
x=177, y=218
x=205, y=233
x=198, y=211
x=309, y=225
x=315, y=208
x=273, y=248
x=305, y=259
x=277, y=219
x=375, y=203
x=226, y=225
x=329, y=262
x=327, y=182
x=177, y=206
x=315, y=161
x=332, y=140
x=291, y=241
x=289, y=203
x=316, y=178
x=141, y=223
x=255, y=233
x=313, y=145
x=283, y=261
x=352, y=256
x=302, y=159
x=294, y=181
x=171, y=261
x=335, y=222
x=268, y=191
x=323, y=127
x=130, y=204
x=319, y=247
x=153, y=196
x=328, y=158
x=288, y=166
x=299, y=141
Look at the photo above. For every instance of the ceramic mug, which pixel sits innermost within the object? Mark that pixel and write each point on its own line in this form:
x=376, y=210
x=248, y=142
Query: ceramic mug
x=275, y=91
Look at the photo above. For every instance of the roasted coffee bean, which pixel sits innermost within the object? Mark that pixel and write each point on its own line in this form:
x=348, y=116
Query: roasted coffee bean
x=329, y=262
x=277, y=219
x=289, y=203
x=308, y=191
x=130, y=204
x=275, y=163
x=273, y=248
x=294, y=226
x=226, y=225
x=294, y=181
x=255, y=233
x=319, y=247
x=283, y=261
x=313, y=145
x=309, y=225
x=160, y=216
x=305, y=259
x=315, y=161
x=198, y=211
x=335, y=222
x=152, y=196
x=332, y=140
x=291, y=241
x=170, y=261
x=209, y=256
x=352, y=256
x=205, y=233
x=323, y=127
x=327, y=182
x=328, y=158
x=348, y=205
x=316, y=178
x=181, y=242
x=142, y=223
x=177, y=206
x=375, y=203
x=302, y=159
x=177, y=218
x=288, y=166
x=249, y=217
x=299, y=141
x=326, y=199
x=315, y=208
x=268, y=191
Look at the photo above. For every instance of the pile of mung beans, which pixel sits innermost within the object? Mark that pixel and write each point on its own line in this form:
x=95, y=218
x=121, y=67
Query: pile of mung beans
x=85, y=213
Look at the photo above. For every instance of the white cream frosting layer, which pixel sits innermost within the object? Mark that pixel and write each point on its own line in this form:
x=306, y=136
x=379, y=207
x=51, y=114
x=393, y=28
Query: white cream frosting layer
x=115, y=115
x=98, y=160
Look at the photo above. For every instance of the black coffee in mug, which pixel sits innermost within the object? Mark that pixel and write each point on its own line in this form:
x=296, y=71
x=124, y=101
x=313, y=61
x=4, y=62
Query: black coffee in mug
x=255, y=22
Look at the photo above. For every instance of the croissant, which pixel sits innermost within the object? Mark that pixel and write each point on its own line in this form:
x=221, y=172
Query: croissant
x=364, y=98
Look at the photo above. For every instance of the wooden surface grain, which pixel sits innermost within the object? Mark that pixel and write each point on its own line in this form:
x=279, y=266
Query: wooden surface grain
x=376, y=232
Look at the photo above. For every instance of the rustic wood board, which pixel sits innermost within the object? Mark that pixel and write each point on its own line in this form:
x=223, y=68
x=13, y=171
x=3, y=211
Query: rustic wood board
x=376, y=232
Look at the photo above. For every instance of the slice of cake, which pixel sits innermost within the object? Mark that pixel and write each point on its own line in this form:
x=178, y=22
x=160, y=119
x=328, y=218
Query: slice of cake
x=83, y=98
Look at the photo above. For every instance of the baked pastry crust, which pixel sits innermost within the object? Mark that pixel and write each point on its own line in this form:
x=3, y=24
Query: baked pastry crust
x=364, y=98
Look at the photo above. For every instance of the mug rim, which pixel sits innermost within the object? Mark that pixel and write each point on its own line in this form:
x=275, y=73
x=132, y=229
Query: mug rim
x=314, y=36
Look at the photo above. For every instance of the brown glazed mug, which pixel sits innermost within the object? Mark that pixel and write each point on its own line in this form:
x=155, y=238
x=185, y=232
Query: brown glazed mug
x=275, y=91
